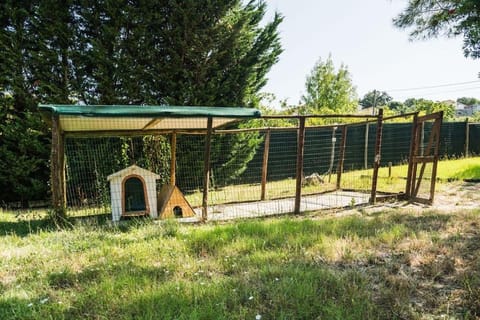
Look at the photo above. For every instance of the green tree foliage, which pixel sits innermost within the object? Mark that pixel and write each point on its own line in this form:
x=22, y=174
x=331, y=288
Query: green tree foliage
x=375, y=98
x=24, y=150
x=213, y=52
x=174, y=52
x=329, y=91
x=468, y=101
x=23, y=154
x=476, y=116
x=428, y=106
x=431, y=18
x=397, y=106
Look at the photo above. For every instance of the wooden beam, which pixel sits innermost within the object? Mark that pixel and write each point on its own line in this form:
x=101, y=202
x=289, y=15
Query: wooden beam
x=299, y=174
x=467, y=138
x=206, y=168
x=173, y=158
x=152, y=123
x=341, y=156
x=427, y=117
x=57, y=169
x=376, y=162
x=405, y=115
x=121, y=133
x=266, y=148
x=320, y=116
x=264, y=129
x=423, y=159
x=411, y=156
x=365, y=147
x=437, y=129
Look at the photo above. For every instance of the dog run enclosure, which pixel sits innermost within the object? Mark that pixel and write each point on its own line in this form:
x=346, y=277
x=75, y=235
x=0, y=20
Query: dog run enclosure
x=199, y=164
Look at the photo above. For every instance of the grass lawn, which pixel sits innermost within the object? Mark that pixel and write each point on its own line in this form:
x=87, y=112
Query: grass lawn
x=387, y=265
x=368, y=265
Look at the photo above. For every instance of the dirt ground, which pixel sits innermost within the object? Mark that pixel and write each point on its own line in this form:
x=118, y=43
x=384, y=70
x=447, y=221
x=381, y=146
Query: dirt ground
x=449, y=197
x=434, y=274
x=458, y=195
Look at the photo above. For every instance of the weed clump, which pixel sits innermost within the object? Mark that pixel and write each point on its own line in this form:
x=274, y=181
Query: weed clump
x=62, y=280
x=170, y=228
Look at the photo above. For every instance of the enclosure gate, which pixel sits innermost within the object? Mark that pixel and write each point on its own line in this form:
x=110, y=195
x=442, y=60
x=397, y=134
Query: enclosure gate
x=423, y=152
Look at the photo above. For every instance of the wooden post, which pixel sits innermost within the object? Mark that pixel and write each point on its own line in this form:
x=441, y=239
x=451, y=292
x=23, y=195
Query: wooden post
x=467, y=138
x=266, y=148
x=416, y=179
x=435, y=131
x=299, y=174
x=206, y=168
x=376, y=162
x=57, y=170
x=332, y=154
x=422, y=139
x=365, y=148
x=173, y=158
x=341, y=156
x=413, y=151
x=389, y=169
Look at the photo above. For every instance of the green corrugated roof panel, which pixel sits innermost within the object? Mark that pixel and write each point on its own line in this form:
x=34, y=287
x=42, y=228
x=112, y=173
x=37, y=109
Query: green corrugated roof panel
x=128, y=118
x=149, y=111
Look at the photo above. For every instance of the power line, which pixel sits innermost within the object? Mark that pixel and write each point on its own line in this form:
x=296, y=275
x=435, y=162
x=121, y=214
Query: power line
x=431, y=93
x=433, y=87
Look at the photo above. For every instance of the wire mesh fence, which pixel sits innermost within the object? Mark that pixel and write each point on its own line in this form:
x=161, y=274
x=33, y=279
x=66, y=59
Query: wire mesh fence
x=91, y=162
x=472, y=144
x=423, y=172
x=247, y=172
x=395, y=150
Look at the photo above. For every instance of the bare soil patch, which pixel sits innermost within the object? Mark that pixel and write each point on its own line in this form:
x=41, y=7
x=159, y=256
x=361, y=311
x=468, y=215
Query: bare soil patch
x=435, y=272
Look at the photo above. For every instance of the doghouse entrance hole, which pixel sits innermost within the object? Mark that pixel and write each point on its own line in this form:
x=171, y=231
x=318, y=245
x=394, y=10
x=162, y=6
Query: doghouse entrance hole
x=134, y=195
x=177, y=212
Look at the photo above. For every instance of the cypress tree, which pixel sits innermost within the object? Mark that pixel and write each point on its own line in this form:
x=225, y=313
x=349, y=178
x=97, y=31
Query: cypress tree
x=178, y=52
x=24, y=148
x=187, y=52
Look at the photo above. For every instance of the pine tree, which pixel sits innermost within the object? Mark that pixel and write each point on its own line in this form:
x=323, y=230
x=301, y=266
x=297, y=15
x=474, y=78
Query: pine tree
x=432, y=18
x=187, y=52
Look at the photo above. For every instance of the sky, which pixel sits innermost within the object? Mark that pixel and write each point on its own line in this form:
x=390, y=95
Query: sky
x=360, y=34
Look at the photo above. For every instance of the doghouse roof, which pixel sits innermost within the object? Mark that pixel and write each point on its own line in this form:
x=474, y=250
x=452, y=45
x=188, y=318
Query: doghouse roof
x=133, y=169
x=128, y=118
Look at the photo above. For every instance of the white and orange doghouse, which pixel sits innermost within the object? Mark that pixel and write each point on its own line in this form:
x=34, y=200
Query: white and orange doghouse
x=133, y=192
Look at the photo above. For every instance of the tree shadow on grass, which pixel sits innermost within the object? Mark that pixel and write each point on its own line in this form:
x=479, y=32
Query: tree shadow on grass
x=276, y=234
x=22, y=228
x=23, y=225
x=424, y=222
